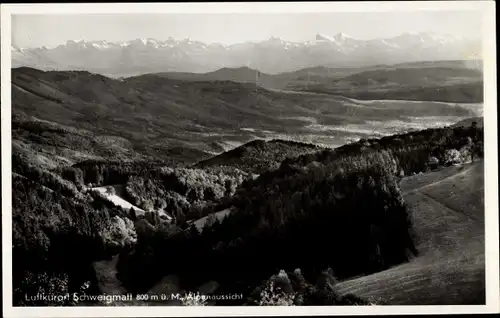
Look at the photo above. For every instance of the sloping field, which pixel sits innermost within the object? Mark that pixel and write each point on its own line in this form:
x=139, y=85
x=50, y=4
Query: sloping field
x=450, y=281
x=415, y=182
x=463, y=192
x=116, y=199
x=448, y=208
x=200, y=223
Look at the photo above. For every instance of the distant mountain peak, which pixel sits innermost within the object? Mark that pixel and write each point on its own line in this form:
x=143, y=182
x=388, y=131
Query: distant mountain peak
x=275, y=39
x=339, y=38
x=81, y=41
x=139, y=41
x=342, y=37
x=323, y=37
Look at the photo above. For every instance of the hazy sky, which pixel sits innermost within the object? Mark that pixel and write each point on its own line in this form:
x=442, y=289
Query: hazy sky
x=52, y=30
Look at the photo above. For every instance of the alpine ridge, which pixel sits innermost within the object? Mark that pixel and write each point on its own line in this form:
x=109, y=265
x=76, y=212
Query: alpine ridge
x=274, y=55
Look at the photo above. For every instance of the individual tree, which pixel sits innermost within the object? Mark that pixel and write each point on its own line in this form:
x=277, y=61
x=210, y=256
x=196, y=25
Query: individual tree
x=452, y=156
x=120, y=233
x=110, y=190
x=211, y=220
x=433, y=162
x=132, y=214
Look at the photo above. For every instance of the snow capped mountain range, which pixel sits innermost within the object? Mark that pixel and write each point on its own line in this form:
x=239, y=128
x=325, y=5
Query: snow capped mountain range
x=274, y=55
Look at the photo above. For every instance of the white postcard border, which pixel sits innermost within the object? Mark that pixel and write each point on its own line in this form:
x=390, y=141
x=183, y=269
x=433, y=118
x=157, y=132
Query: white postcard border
x=491, y=154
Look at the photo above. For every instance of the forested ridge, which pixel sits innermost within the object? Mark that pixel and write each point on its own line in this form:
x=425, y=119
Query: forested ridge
x=338, y=209
x=259, y=156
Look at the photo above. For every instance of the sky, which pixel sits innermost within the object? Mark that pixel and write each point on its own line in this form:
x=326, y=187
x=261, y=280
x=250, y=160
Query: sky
x=52, y=30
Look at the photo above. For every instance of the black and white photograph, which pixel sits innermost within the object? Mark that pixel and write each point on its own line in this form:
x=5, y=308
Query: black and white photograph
x=275, y=156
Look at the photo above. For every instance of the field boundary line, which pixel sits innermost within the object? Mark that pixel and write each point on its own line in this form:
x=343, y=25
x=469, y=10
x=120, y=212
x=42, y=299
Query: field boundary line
x=438, y=182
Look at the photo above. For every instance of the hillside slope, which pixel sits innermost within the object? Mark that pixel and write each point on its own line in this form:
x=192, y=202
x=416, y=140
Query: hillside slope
x=391, y=77
x=258, y=155
x=479, y=121
x=152, y=117
x=238, y=75
x=413, y=81
x=432, y=83
x=449, y=221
